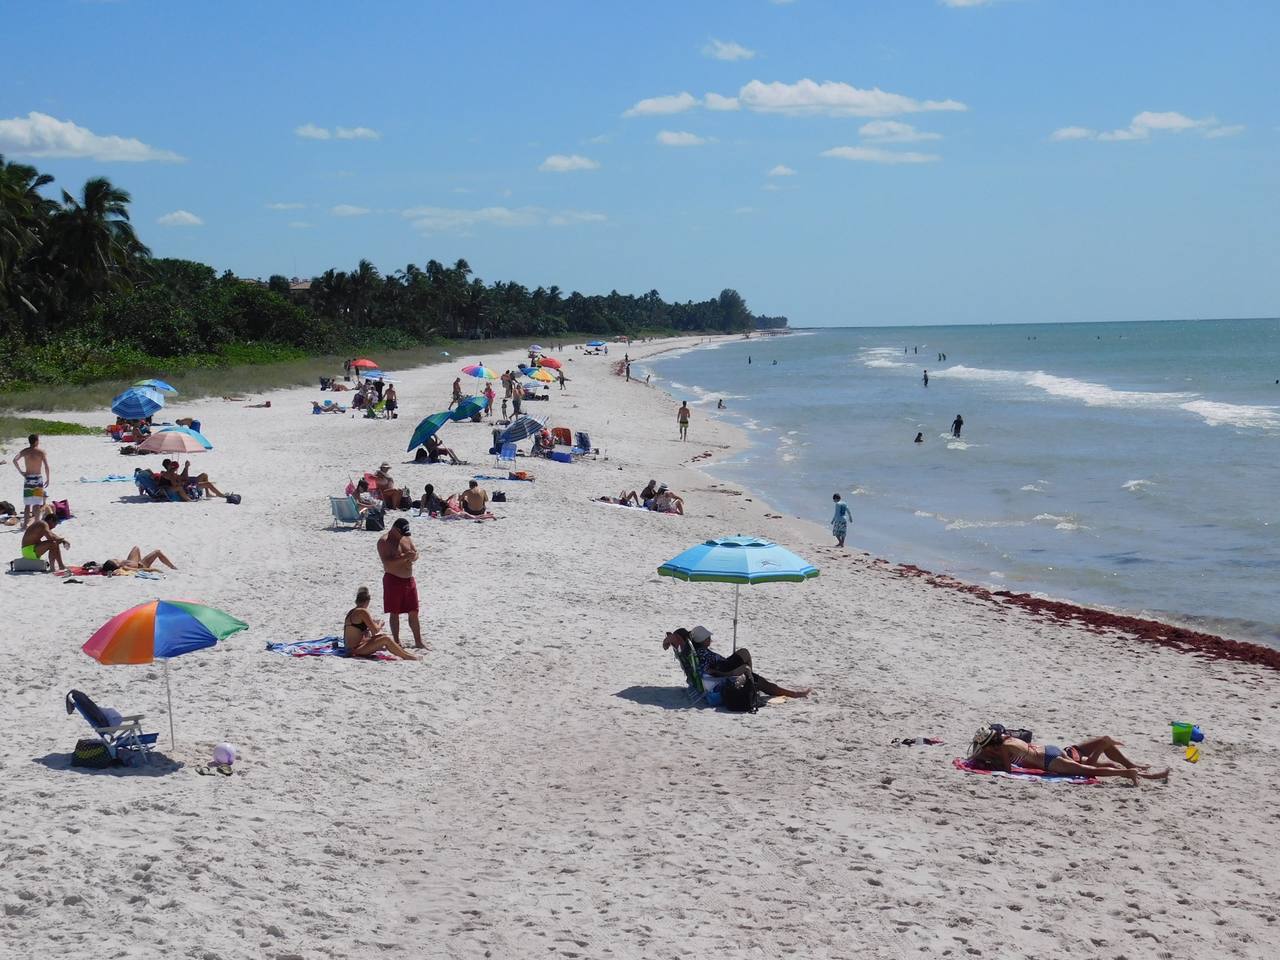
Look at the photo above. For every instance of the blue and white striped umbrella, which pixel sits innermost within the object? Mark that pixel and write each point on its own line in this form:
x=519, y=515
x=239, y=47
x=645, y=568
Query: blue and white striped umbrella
x=521, y=428
x=137, y=403
x=157, y=385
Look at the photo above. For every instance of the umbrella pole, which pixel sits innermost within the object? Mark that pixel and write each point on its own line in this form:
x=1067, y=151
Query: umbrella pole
x=737, y=588
x=169, y=693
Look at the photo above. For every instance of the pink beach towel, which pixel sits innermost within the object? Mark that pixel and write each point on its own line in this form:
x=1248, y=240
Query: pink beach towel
x=1025, y=773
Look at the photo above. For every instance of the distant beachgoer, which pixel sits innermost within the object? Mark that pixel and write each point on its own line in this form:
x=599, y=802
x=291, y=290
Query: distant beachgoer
x=840, y=521
x=392, y=402
x=475, y=499
x=666, y=501
x=682, y=418
x=387, y=488
x=649, y=492
x=489, y=396
x=748, y=360
x=919, y=438
x=33, y=465
x=926, y=378
x=136, y=561
x=365, y=500
x=251, y=406
x=436, y=450
x=627, y=498
x=457, y=393
x=712, y=665
x=562, y=378
x=775, y=363
x=627, y=368
x=38, y=539
x=430, y=502
x=399, y=589
x=957, y=425
x=720, y=404
x=362, y=635
x=1097, y=757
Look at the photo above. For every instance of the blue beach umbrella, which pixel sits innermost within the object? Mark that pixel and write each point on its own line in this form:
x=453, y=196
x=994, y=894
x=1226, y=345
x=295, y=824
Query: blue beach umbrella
x=595, y=343
x=199, y=437
x=738, y=560
x=157, y=385
x=429, y=427
x=469, y=407
x=521, y=428
x=137, y=403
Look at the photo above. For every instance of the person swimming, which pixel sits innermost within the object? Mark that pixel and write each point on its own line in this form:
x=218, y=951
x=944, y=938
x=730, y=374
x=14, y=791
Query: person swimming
x=919, y=437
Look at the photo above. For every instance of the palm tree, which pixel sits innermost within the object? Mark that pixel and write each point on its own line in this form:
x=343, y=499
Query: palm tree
x=92, y=242
x=24, y=216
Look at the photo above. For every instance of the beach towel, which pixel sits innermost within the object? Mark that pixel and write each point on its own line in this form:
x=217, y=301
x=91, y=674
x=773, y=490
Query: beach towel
x=109, y=478
x=489, y=476
x=324, y=647
x=1025, y=773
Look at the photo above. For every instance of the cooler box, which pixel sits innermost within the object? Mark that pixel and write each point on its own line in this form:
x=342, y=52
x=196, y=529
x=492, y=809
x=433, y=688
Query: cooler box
x=562, y=455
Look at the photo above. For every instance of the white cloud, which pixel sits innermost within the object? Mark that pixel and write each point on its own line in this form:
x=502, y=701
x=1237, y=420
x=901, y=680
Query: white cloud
x=726, y=50
x=680, y=138
x=713, y=101
x=348, y=210
x=180, y=218
x=880, y=155
x=299, y=225
x=1073, y=133
x=566, y=218
x=286, y=206
x=660, y=106
x=599, y=138
x=309, y=131
x=453, y=219
x=566, y=163
x=833, y=99
x=782, y=170
x=1144, y=124
x=40, y=135
x=894, y=131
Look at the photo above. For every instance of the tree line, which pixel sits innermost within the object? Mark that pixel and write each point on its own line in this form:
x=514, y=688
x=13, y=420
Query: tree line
x=82, y=298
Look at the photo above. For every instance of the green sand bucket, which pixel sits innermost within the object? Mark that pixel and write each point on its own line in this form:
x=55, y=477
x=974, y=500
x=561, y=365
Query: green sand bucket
x=1181, y=733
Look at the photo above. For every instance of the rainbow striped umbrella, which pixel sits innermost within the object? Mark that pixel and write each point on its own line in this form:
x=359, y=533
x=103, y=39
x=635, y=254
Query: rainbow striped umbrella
x=480, y=372
x=160, y=630
x=542, y=376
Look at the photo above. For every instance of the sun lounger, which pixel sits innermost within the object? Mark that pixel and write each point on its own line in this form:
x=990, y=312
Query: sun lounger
x=506, y=456
x=345, y=510
x=124, y=740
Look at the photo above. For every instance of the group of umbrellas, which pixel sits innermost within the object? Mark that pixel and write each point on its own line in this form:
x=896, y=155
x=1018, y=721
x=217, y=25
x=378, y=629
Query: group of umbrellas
x=145, y=399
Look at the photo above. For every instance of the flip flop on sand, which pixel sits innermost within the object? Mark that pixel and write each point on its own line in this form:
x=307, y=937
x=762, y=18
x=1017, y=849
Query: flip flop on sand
x=211, y=769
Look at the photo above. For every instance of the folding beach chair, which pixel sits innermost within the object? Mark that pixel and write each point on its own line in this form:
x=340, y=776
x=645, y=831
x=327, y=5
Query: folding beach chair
x=147, y=485
x=506, y=456
x=344, y=510
x=582, y=445
x=124, y=740
x=688, y=661
x=561, y=436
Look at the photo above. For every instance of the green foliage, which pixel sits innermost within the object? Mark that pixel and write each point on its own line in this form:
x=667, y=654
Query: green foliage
x=14, y=428
x=82, y=300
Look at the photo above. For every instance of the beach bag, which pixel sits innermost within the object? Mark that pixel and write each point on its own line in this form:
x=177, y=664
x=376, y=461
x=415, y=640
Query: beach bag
x=375, y=520
x=233, y=498
x=499, y=496
x=738, y=694
x=92, y=754
x=421, y=456
x=62, y=509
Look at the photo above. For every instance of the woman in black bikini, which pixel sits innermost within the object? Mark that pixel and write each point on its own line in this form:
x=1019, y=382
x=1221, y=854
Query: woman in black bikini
x=362, y=635
x=1098, y=757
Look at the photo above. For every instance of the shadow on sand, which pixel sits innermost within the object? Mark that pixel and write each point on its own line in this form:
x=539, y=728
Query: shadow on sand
x=669, y=698
x=158, y=765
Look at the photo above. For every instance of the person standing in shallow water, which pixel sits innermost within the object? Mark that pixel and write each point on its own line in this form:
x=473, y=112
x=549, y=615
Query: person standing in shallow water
x=925, y=378
x=957, y=425
x=840, y=522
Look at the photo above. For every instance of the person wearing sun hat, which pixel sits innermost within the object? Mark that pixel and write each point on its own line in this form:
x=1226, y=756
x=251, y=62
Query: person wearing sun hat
x=713, y=666
x=387, y=488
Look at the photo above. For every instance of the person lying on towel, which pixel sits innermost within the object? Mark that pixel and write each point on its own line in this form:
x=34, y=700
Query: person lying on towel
x=997, y=749
x=713, y=665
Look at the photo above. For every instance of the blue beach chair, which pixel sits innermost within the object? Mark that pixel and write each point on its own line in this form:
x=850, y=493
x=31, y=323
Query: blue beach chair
x=506, y=456
x=125, y=740
x=344, y=510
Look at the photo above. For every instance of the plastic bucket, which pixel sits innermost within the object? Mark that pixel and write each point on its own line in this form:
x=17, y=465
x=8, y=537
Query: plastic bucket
x=1181, y=733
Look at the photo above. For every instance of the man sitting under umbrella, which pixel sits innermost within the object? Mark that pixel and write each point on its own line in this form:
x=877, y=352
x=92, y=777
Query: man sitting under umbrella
x=711, y=664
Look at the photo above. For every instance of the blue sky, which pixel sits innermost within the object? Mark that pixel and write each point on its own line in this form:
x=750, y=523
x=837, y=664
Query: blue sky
x=839, y=162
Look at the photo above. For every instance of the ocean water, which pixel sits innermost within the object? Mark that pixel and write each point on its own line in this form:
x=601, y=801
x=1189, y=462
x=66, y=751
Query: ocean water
x=1134, y=466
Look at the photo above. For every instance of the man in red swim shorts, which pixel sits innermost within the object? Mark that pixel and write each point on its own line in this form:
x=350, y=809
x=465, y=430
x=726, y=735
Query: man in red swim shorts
x=399, y=589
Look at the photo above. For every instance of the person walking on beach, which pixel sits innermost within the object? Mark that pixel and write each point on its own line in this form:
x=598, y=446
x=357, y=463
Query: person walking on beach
x=457, y=393
x=628, y=370
x=562, y=378
x=840, y=522
x=391, y=402
x=399, y=589
x=682, y=418
x=33, y=465
x=957, y=425
x=925, y=378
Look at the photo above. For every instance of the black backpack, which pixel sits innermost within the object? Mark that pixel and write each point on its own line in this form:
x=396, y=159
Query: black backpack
x=375, y=519
x=738, y=694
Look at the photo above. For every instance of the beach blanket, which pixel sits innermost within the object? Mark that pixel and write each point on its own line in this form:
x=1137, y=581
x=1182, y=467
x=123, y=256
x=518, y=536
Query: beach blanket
x=109, y=478
x=489, y=476
x=324, y=647
x=1024, y=773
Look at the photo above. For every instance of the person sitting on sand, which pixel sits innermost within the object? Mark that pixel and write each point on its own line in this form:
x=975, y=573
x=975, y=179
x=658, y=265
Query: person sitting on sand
x=623, y=499
x=251, y=406
x=387, y=488
x=136, y=561
x=363, y=636
x=38, y=539
x=666, y=501
x=327, y=407
x=430, y=501
x=474, y=500
x=364, y=499
x=1097, y=757
x=436, y=450
x=717, y=667
x=183, y=483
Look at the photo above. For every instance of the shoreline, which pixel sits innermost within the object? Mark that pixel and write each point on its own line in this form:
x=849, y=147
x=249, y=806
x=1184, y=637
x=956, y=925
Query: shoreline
x=1174, y=633
x=540, y=781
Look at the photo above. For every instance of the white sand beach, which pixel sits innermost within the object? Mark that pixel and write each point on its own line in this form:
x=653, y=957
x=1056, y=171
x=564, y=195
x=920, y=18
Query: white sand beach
x=538, y=785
